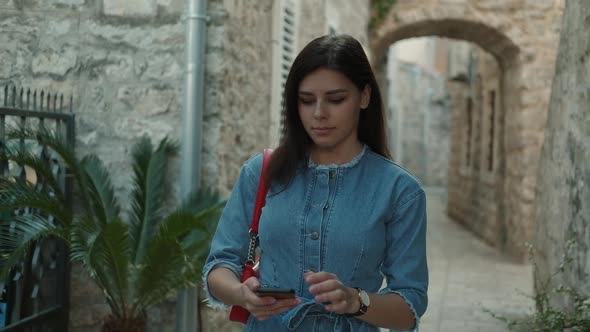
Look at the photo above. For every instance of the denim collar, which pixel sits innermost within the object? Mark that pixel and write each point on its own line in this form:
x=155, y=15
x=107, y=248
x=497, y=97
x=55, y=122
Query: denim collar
x=352, y=163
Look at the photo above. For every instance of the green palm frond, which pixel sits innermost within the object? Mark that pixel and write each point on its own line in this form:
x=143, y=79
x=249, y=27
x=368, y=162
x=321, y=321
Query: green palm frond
x=196, y=246
x=149, y=194
x=141, y=156
x=177, y=249
x=82, y=236
x=18, y=234
x=15, y=153
x=18, y=194
x=136, y=264
x=109, y=260
x=58, y=144
x=101, y=192
x=207, y=206
x=199, y=200
x=165, y=269
x=180, y=223
x=47, y=138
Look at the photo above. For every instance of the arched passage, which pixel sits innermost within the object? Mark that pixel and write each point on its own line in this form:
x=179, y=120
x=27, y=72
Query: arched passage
x=488, y=38
x=527, y=65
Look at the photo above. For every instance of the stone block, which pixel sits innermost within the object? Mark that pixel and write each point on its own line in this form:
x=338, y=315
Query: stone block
x=88, y=138
x=149, y=101
x=55, y=62
x=158, y=67
x=60, y=27
x=119, y=68
x=213, y=34
x=7, y=4
x=132, y=127
x=494, y=4
x=13, y=63
x=60, y=3
x=535, y=5
x=171, y=6
x=165, y=37
x=93, y=98
x=70, y=2
x=130, y=8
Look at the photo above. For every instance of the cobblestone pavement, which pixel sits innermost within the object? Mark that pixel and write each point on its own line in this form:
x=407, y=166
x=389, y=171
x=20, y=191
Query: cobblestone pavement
x=468, y=276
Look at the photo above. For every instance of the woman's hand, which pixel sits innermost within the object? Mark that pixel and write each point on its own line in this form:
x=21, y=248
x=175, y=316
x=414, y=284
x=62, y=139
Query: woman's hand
x=264, y=307
x=328, y=288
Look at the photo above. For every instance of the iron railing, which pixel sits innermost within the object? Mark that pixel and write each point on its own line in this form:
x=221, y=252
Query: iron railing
x=36, y=295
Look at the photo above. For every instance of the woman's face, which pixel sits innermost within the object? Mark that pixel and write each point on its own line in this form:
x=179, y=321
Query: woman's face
x=329, y=106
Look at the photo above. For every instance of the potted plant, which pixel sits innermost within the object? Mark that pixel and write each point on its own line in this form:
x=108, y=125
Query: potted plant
x=137, y=257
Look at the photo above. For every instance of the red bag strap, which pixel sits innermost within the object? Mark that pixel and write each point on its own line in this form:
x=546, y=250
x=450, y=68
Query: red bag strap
x=262, y=191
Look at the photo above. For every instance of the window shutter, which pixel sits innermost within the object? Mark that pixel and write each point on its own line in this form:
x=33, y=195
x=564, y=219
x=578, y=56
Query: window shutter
x=285, y=29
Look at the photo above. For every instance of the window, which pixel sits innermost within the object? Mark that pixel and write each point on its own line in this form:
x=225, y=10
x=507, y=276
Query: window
x=284, y=43
x=491, y=142
x=468, y=110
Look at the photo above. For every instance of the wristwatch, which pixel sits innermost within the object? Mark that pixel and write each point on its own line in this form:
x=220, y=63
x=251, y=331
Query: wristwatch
x=365, y=302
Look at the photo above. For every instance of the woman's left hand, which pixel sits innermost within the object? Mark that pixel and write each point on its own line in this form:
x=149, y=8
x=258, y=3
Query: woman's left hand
x=328, y=288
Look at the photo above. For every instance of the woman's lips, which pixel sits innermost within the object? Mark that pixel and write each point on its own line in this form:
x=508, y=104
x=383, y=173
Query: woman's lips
x=321, y=131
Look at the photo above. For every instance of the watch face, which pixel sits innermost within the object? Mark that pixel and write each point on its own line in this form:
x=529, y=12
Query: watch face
x=365, y=298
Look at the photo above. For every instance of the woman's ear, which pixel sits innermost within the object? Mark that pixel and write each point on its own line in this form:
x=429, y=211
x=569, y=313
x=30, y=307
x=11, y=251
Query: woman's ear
x=365, y=97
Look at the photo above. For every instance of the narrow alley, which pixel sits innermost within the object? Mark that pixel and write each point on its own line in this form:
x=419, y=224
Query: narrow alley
x=468, y=276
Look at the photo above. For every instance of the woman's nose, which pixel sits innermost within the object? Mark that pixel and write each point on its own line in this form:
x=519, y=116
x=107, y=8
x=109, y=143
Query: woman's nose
x=319, y=111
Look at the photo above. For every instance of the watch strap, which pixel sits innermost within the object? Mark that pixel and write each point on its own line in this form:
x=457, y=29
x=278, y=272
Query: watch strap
x=363, y=307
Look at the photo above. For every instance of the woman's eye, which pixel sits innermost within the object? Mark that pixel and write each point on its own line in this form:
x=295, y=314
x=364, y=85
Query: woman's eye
x=306, y=101
x=337, y=100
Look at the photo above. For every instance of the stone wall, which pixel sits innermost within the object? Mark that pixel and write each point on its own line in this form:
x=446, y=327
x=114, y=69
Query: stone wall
x=349, y=17
x=122, y=63
x=320, y=17
x=473, y=197
x=419, y=121
x=563, y=194
x=237, y=94
x=314, y=23
x=237, y=98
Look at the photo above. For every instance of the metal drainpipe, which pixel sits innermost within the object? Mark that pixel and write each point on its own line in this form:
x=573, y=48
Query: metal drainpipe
x=187, y=306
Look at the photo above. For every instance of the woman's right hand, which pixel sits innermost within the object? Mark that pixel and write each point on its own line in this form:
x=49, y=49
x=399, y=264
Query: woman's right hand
x=265, y=307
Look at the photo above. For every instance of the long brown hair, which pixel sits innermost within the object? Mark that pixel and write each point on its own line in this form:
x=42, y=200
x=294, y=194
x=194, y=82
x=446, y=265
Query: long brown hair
x=346, y=55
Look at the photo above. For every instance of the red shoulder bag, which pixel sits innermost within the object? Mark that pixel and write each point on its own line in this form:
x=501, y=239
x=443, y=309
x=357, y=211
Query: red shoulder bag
x=237, y=313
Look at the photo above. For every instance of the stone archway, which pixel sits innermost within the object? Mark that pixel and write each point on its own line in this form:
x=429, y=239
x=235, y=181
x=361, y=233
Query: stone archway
x=523, y=36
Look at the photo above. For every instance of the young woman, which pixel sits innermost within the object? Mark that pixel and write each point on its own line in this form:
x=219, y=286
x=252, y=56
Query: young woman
x=340, y=216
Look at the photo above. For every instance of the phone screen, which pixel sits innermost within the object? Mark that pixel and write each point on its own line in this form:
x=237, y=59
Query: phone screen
x=277, y=293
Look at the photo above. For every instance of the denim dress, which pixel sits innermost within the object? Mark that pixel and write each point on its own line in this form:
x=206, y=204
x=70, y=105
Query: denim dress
x=364, y=221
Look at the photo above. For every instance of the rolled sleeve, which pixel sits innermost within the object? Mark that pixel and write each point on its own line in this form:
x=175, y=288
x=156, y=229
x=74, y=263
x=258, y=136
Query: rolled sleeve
x=405, y=267
x=229, y=246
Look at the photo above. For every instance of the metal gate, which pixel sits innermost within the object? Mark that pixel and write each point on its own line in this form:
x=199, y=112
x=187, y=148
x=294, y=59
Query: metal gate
x=35, y=298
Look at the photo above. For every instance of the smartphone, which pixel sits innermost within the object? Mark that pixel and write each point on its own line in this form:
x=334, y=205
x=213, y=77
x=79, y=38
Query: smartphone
x=277, y=293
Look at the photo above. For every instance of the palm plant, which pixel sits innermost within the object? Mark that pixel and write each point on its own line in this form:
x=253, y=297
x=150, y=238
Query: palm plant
x=137, y=258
